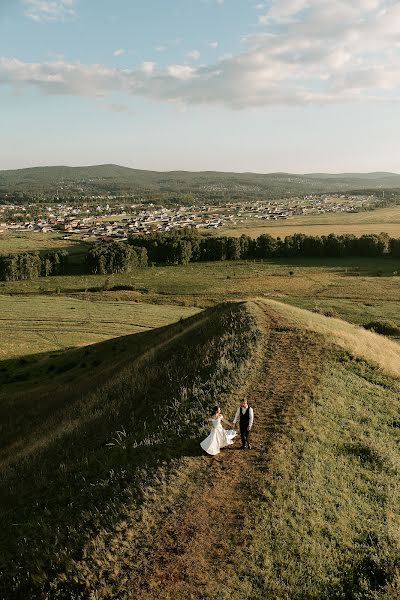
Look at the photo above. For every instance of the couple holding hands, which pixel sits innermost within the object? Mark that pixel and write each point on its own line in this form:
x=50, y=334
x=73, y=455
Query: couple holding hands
x=220, y=437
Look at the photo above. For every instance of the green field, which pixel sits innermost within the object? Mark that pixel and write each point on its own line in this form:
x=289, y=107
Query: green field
x=100, y=430
x=40, y=324
x=13, y=242
x=356, y=289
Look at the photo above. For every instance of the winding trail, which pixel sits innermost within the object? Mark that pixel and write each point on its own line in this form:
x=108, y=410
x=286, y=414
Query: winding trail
x=193, y=554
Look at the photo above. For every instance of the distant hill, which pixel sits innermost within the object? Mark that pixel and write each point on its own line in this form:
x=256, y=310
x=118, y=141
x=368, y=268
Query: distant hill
x=114, y=179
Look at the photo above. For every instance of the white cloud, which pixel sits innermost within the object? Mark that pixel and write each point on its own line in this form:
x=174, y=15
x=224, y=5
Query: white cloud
x=148, y=67
x=310, y=51
x=194, y=54
x=180, y=72
x=213, y=44
x=49, y=10
x=160, y=48
x=119, y=52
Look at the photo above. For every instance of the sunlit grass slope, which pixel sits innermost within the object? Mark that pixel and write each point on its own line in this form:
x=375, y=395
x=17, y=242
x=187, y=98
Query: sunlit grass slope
x=37, y=324
x=368, y=345
x=324, y=523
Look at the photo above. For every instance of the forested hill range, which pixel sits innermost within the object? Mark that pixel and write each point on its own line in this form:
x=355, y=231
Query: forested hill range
x=68, y=182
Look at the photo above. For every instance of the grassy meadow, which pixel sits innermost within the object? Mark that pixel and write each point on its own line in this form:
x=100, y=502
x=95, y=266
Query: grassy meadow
x=40, y=324
x=109, y=496
x=104, y=385
x=376, y=221
x=356, y=289
x=32, y=241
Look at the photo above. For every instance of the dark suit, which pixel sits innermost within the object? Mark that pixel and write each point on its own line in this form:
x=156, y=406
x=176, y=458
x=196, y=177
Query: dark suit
x=244, y=426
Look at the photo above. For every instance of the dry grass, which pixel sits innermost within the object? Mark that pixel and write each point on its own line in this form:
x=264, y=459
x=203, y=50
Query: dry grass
x=11, y=242
x=371, y=346
x=384, y=219
x=255, y=229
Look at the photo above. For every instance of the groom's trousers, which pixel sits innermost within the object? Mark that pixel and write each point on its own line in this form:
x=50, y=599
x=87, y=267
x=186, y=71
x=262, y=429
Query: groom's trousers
x=244, y=434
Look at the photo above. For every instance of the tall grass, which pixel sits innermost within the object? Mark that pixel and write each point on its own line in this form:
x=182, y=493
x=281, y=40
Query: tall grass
x=110, y=446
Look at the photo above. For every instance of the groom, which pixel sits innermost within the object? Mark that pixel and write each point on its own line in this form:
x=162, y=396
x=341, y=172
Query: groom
x=245, y=415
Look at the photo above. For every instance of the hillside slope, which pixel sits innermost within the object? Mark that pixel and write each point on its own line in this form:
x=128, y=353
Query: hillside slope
x=106, y=178
x=310, y=513
x=70, y=462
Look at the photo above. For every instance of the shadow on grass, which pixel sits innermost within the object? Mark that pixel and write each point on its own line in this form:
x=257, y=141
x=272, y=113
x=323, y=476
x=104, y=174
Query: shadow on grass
x=369, y=573
x=43, y=386
x=99, y=449
x=353, y=264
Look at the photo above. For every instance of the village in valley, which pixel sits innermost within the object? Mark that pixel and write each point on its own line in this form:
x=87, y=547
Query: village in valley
x=115, y=217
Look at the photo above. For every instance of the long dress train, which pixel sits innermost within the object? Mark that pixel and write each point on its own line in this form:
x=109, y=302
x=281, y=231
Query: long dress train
x=218, y=438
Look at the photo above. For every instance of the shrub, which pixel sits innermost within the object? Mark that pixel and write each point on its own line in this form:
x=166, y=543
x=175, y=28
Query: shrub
x=383, y=327
x=123, y=287
x=330, y=312
x=327, y=312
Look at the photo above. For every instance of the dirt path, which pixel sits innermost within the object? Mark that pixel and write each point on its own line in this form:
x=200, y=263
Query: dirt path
x=192, y=556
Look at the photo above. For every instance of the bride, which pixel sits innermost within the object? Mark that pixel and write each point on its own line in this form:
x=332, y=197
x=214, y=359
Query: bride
x=219, y=437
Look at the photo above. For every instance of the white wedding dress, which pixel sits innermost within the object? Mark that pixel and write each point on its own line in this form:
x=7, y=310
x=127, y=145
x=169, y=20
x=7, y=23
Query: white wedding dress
x=218, y=438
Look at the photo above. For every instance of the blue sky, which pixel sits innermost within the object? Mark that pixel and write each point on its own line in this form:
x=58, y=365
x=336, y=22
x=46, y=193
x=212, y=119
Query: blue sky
x=233, y=85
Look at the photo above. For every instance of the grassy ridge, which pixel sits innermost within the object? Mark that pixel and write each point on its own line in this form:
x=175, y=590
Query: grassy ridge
x=120, y=499
x=317, y=511
x=324, y=523
x=81, y=474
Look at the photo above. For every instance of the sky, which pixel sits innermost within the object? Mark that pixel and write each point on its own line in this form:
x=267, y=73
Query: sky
x=225, y=85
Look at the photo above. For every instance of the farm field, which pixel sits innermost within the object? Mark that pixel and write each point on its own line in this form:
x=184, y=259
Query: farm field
x=353, y=287
x=376, y=221
x=54, y=314
x=42, y=324
x=30, y=241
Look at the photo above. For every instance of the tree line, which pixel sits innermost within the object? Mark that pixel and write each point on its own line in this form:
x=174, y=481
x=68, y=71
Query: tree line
x=115, y=257
x=182, y=248
x=103, y=258
x=30, y=265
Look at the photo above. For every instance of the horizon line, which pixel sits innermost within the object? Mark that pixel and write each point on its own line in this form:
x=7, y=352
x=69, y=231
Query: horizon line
x=296, y=173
